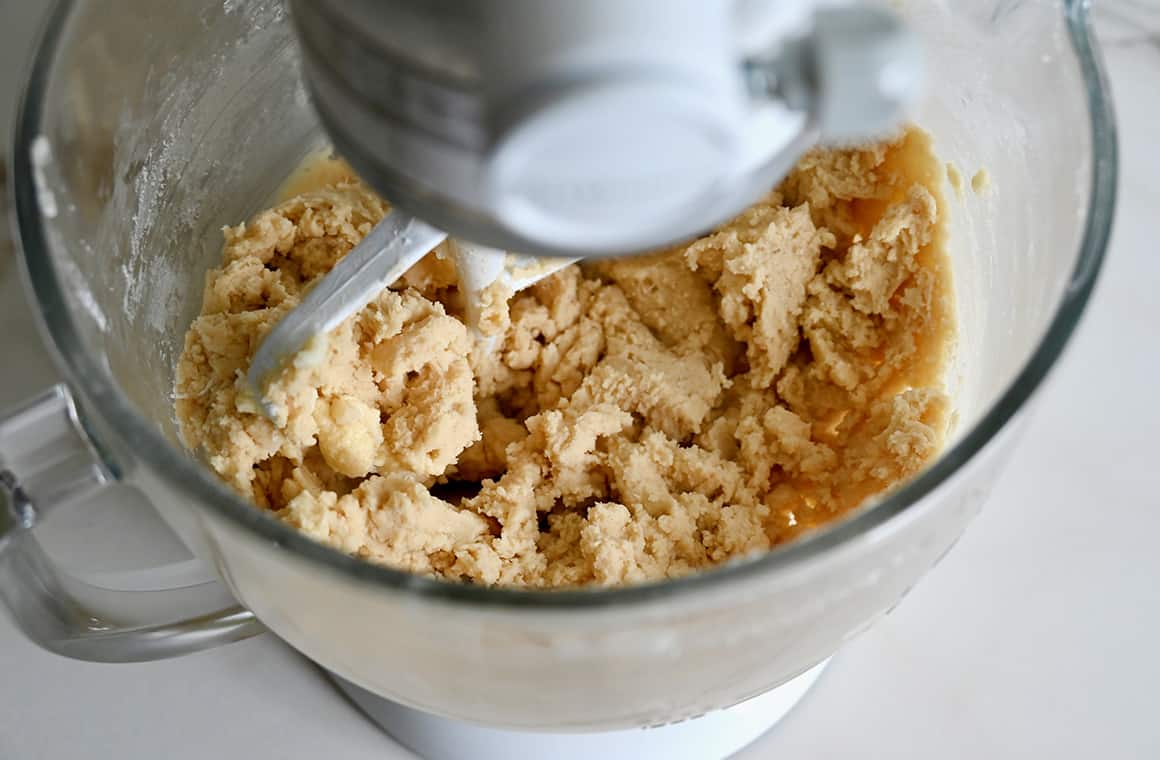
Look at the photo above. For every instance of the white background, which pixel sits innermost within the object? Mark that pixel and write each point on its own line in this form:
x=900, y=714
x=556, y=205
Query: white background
x=1036, y=637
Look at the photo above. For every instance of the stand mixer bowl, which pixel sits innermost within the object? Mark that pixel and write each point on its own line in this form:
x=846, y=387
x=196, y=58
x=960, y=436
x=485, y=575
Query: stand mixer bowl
x=148, y=124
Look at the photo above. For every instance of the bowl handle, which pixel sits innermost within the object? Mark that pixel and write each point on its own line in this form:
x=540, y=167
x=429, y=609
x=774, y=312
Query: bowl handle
x=47, y=461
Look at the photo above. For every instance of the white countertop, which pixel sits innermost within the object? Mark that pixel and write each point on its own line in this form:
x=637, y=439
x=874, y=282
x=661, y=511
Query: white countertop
x=1038, y=636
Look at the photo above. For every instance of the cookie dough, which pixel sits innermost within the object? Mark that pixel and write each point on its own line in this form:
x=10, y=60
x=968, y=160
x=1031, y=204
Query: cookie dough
x=639, y=419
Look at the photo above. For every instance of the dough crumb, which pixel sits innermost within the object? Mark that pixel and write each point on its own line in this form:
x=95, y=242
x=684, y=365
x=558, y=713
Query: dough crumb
x=635, y=420
x=955, y=178
x=981, y=182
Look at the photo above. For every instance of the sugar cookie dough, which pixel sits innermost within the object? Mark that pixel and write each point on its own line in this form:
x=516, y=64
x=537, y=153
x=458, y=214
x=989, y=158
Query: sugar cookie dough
x=640, y=418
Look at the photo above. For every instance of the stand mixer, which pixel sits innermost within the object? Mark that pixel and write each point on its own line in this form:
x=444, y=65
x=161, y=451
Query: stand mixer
x=596, y=128
x=573, y=129
x=148, y=124
x=568, y=129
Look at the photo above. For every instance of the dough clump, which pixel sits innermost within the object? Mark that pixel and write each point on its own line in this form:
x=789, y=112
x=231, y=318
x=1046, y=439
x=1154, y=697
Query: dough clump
x=640, y=419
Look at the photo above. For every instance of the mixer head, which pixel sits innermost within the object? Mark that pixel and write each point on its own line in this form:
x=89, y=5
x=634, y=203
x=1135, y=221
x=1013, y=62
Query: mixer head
x=598, y=127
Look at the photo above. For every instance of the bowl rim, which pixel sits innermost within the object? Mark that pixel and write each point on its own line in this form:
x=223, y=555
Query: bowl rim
x=192, y=480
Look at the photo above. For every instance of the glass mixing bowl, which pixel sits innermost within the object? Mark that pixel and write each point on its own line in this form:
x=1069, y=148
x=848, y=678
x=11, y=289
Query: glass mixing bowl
x=146, y=125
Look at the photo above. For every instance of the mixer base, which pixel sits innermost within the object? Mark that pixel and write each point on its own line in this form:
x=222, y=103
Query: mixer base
x=714, y=735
